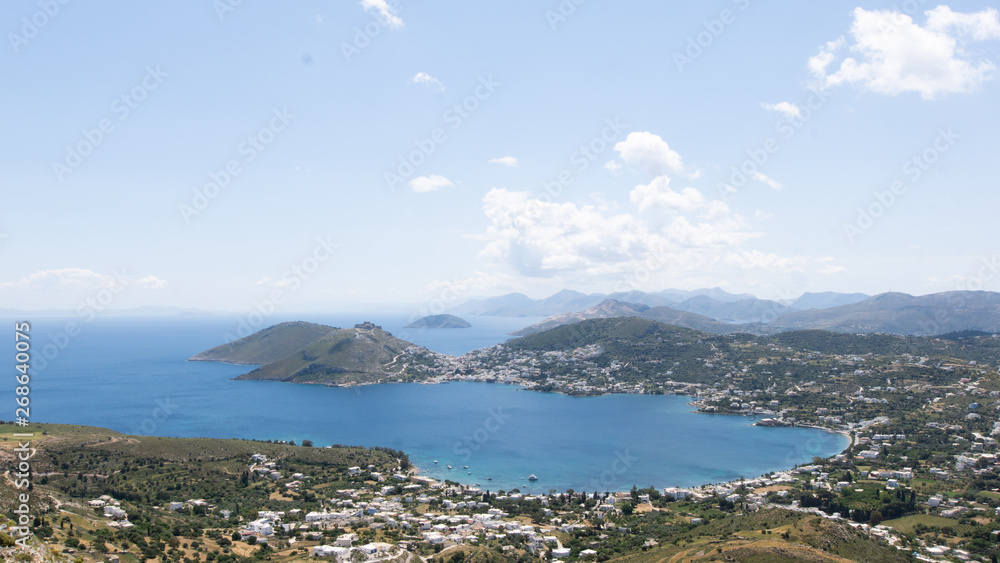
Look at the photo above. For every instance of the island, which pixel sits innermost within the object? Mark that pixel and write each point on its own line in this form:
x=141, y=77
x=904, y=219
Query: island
x=439, y=321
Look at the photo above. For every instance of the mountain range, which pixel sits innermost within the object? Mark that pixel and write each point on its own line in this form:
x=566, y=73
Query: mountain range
x=712, y=303
x=889, y=313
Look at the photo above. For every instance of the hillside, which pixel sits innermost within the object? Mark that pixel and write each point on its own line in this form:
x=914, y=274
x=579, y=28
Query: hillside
x=439, y=321
x=362, y=354
x=266, y=346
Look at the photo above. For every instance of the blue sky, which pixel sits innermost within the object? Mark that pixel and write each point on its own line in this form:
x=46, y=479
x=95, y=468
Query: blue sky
x=215, y=154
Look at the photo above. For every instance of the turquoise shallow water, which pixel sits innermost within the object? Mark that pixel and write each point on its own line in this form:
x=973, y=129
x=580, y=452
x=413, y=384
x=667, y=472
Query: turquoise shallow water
x=131, y=375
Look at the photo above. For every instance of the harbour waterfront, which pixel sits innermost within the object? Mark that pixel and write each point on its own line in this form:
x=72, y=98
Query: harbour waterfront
x=131, y=375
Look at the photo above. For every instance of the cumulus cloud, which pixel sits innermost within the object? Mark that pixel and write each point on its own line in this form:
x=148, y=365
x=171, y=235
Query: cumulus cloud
x=894, y=54
x=788, y=109
x=658, y=194
x=542, y=238
x=77, y=279
x=424, y=184
x=664, y=234
x=151, y=282
x=386, y=13
x=612, y=166
x=67, y=278
x=427, y=80
x=509, y=161
x=650, y=153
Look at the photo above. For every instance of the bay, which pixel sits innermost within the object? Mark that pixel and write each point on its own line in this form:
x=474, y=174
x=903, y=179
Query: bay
x=131, y=375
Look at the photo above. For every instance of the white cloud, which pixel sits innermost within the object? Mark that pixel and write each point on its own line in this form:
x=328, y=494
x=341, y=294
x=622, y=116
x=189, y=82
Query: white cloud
x=151, y=282
x=430, y=81
x=81, y=279
x=508, y=161
x=762, y=215
x=760, y=177
x=385, y=12
x=787, y=108
x=658, y=194
x=831, y=269
x=62, y=278
x=612, y=166
x=541, y=238
x=896, y=55
x=425, y=184
x=650, y=153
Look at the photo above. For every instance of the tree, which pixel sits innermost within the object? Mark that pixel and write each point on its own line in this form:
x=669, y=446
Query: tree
x=876, y=518
x=307, y=443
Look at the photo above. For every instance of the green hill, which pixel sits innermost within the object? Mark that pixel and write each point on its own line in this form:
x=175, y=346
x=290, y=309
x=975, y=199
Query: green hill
x=439, y=321
x=268, y=345
x=363, y=354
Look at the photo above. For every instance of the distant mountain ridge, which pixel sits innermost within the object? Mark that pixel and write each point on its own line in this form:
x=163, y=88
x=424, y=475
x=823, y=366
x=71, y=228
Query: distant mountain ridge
x=569, y=301
x=888, y=313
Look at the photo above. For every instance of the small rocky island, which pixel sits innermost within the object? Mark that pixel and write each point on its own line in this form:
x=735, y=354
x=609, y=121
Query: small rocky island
x=439, y=321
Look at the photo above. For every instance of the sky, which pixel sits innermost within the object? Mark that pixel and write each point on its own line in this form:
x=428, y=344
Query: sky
x=231, y=155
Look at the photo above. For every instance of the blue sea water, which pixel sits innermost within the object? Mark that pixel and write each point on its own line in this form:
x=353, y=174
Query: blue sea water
x=131, y=375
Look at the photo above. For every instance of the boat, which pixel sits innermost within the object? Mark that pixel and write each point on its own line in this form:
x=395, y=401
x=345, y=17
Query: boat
x=470, y=473
x=449, y=467
x=435, y=461
x=489, y=478
x=465, y=467
x=532, y=477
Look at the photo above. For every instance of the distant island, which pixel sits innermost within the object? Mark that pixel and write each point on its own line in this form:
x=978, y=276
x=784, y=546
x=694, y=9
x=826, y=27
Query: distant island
x=439, y=321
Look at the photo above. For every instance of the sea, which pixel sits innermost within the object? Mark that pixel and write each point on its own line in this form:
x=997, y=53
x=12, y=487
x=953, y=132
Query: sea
x=132, y=375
